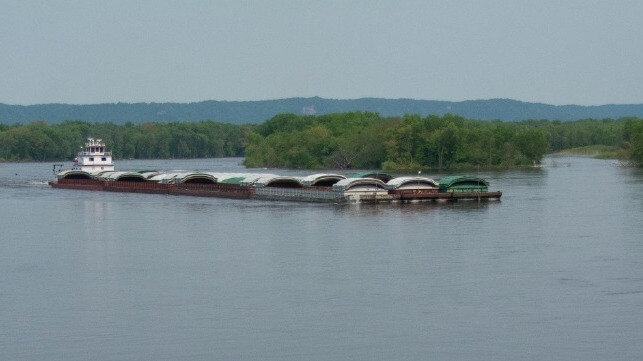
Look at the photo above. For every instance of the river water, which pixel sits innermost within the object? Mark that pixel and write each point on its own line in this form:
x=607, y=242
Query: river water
x=553, y=271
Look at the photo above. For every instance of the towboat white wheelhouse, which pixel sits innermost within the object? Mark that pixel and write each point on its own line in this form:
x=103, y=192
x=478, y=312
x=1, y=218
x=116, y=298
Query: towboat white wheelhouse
x=94, y=157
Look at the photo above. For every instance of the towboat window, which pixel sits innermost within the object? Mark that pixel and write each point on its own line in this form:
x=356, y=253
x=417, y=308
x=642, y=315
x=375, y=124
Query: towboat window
x=91, y=159
x=103, y=159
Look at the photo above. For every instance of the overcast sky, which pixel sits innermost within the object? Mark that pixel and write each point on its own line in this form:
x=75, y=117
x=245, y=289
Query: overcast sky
x=556, y=52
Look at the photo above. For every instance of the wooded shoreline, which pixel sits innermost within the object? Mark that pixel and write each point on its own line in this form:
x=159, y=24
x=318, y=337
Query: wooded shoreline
x=360, y=140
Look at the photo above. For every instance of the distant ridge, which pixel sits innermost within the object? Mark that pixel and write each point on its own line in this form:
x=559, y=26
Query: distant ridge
x=240, y=112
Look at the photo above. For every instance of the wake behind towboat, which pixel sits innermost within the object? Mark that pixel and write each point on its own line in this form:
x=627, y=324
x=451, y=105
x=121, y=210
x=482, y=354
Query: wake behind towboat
x=94, y=170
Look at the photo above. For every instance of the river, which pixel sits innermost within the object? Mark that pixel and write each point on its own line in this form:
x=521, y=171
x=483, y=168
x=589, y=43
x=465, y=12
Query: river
x=552, y=271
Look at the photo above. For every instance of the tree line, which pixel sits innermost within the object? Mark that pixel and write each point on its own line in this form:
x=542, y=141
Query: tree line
x=40, y=141
x=366, y=140
x=363, y=140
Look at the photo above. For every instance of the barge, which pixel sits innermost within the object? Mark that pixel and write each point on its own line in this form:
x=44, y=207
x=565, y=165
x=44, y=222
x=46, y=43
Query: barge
x=93, y=170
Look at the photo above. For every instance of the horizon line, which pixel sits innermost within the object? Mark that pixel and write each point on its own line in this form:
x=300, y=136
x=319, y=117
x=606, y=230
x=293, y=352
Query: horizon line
x=322, y=98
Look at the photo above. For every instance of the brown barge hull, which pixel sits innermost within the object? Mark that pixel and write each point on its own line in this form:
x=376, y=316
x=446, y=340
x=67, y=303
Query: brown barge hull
x=306, y=194
x=199, y=190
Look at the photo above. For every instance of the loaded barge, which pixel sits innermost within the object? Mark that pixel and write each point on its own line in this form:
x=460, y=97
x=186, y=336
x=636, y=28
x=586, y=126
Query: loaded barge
x=93, y=169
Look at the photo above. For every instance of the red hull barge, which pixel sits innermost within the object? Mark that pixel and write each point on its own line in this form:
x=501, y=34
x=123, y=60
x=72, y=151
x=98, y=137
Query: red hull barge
x=186, y=189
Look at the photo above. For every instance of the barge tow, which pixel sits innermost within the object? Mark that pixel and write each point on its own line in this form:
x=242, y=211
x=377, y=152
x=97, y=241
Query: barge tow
x=93, y=170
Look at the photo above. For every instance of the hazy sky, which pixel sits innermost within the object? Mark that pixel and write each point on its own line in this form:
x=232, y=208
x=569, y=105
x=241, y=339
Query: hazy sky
x=557, y=52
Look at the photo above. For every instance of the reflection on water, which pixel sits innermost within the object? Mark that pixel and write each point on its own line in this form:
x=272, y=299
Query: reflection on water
x=411, y=208
x=551, y=271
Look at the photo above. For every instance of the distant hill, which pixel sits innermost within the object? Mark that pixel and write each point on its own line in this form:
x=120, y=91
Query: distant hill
x=239, y=112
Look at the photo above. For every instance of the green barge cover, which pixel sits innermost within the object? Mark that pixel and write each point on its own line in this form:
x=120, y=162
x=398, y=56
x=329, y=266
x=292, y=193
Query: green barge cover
x=460, y=183
x=233, y=180
x=384, y=177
